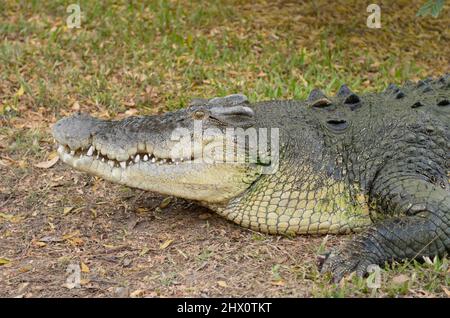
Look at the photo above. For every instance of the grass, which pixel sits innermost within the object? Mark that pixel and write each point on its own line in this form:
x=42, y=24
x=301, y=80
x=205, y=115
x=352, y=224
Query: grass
x=408, y=279
x=153, y=56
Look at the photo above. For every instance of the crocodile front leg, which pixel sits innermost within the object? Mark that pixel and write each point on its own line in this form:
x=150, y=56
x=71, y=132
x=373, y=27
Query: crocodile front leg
x=423, y=229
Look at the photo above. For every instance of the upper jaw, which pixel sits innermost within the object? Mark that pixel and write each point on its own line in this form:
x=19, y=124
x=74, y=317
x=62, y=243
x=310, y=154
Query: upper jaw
x=108, y=141
x=72, y=155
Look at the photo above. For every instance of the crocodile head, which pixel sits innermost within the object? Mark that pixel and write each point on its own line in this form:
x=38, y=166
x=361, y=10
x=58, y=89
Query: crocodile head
x=191, y=153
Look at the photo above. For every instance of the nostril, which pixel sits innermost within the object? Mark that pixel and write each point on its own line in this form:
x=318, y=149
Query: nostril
x=444, y=102
x=337, y=124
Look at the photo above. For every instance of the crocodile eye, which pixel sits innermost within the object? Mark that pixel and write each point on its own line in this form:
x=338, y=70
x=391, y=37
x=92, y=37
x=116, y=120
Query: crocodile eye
x=199, y=114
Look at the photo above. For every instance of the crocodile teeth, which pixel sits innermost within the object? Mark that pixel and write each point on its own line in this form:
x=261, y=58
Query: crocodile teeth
x=103, y=159
x=72, y=152
x=90, y=152
x=137, y=158
x=111, y=163
x=145, y=158
x=153, y=159
x=123, y=164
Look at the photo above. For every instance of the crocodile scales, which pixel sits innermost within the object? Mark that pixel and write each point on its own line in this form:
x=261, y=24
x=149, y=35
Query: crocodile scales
x=376, y=165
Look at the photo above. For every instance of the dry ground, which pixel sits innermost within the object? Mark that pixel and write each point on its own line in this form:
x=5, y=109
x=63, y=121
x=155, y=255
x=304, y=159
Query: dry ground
x=128, y=59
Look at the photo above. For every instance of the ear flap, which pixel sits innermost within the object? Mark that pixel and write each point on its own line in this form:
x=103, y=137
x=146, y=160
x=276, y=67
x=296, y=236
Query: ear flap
x=230, y=100
x=236, y=116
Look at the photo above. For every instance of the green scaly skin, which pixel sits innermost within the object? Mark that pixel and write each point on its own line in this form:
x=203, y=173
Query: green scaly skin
x=376, y=165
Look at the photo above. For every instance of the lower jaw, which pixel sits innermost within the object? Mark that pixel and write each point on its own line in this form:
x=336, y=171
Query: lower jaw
x=177, y=180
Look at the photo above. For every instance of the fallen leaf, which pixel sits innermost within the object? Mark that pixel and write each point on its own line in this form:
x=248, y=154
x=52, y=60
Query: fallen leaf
x=76, y=241
x=84, y=268
x=20, y=91
x=11, y=218
x=40, y=244
x=222, y=283
x=53, y=155
x=261, y=74
x=144, y=251
x=279, y=283
x=142, y=210
x=204, y=216
x=126, y=262
x=47, y=164
x=165, y=203
x=137, y=293
x=8, y=217
x=131, y=112
x=84, y=281
x=25, y=269
x=22, y=164
x=4, y=261
x=400, y=279
x=446, y=291
x=165, y=244
x=76, y=106
x=67, y=210
x=70, y=235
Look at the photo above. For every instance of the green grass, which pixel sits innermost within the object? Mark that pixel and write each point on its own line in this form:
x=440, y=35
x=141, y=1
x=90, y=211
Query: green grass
x=177, y=50
x=425, y=279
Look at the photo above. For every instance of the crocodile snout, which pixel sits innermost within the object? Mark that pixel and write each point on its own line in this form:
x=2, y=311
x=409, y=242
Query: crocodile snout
x=76, y=131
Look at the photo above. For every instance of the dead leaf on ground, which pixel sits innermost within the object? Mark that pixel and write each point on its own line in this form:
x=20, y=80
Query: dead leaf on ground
x=400, y=279
x=131, y=112
x=165, y=203
x=222, y=283
x=40, y=244
x=279, y=283
x=4, y=261
x=84, y=268
x=76, y=106
x=20, y=91
x=165, y=244
x=137, y=293
x=25, y=269
x=47, y=164
x=67, y=209
x=446, y=291
x=144, y=251
x=11, y=218
x=204, y=216
x=76, y=241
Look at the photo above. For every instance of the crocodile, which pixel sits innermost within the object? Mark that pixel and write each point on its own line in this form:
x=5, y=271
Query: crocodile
x=373, y=165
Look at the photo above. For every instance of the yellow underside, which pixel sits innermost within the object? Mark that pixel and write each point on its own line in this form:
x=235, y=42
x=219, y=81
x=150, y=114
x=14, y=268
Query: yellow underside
x=328, y=209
